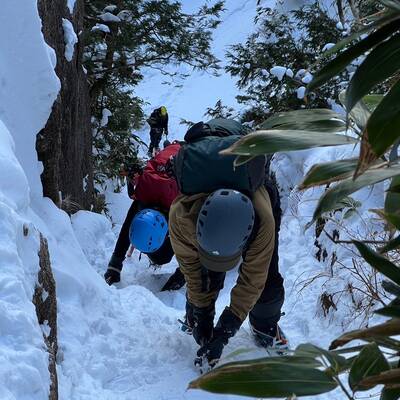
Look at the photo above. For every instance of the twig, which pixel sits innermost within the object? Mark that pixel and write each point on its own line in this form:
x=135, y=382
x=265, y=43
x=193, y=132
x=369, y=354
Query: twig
x=351, y=242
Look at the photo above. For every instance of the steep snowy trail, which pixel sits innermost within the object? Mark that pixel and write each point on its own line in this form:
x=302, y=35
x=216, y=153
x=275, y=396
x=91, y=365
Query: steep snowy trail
x=131, y=347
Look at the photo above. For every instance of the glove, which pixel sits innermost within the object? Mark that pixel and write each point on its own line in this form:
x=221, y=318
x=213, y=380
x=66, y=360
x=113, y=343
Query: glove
x=201, y=320
x=113, y=273
x=175, y=281
x=228, y=324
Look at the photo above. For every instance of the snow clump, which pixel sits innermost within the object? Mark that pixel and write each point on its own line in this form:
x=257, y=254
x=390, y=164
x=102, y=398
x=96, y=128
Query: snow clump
x=278, y=72
x=70, y=39
x=301, y=92
x=111, y=8
x=104, y=118
x=101, y=27
x=108, y=17
x=328, y=46
x=71, y=5
x=289, y=73
x=307, y=78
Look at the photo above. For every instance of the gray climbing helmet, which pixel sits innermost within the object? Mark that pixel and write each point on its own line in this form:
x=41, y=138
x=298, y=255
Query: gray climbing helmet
x=224, y=225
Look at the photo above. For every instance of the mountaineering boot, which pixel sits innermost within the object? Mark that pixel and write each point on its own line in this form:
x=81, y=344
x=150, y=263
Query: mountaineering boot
x=175, y=281
x=278, y=343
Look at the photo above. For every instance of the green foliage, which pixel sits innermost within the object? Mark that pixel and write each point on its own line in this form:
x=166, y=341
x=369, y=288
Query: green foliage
x=369, y=362
x=220, y=111
x=120, y=42
x=293, y=41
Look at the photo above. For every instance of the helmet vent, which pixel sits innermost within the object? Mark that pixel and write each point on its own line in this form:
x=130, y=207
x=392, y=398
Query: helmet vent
x=249, y=227
x=201, y=222
x=204, y=212
x=224, y=193
x=245, y=199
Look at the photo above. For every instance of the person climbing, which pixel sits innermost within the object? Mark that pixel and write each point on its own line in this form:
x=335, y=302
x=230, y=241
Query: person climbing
x=226, y=218
x=145, y=227
x=158, y=122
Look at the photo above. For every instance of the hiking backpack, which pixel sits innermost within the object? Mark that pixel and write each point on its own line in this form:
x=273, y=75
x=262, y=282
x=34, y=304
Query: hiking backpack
x=155, y=186
x=199, y=168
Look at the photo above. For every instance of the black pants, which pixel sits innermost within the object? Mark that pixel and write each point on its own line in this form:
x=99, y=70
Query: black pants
x=162, y=256
x=155, y=138
x=267, y=311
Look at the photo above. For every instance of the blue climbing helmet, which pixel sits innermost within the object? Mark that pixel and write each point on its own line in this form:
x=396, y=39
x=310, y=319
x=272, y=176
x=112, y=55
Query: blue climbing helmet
x=148, y=230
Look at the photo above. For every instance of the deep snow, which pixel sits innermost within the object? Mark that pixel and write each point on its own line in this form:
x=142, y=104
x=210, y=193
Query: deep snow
x=120, y=342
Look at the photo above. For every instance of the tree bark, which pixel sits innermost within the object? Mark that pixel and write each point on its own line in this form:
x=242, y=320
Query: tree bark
x=339, y=5
x=65, y=144
x=45, y=301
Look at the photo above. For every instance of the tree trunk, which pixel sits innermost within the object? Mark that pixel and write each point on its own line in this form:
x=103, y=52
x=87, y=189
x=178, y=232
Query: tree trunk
x=45, y=301
x=340, y=12
x=65, y=144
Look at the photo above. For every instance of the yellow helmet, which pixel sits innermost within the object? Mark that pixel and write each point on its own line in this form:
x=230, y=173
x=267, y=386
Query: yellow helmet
x=163, y=111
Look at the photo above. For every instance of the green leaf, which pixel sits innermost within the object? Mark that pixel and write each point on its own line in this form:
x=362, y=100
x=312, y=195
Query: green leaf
x=383, y=126
x=332, y=196
x=337, y=363
x=315, y=119
x=391, y=288
x=383, y=19
x=321, y=174
x=380, y=263
x=360, y=112
x=377, y=333
x=272, y=378
x=390, y=394
x=380, y=64
x=349, y=213
x=394, y=219
x=340, y=62
x=369, y=362
x=392, y=200
x=272, y=141
x=332, y=125
x=372, y=100
x=392, y=310
x=391, y=4
x=391, y=245
x=394, y=189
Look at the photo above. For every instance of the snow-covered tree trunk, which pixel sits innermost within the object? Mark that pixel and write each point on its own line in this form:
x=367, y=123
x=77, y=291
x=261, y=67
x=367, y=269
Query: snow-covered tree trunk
x=65, y=144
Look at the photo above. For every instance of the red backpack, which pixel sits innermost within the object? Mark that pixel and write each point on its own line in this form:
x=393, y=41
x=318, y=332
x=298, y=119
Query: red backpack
x=155, y=186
